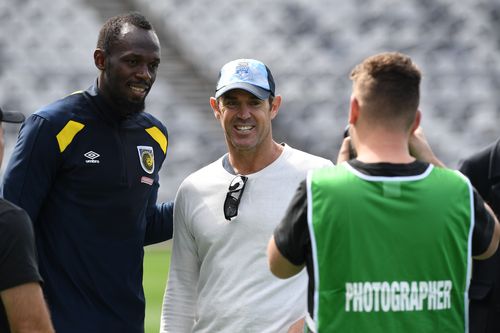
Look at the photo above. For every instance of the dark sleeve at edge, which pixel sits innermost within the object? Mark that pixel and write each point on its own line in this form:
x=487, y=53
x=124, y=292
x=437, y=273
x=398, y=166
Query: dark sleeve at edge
x=483, y=226
x=18, y=261
x=292, y=235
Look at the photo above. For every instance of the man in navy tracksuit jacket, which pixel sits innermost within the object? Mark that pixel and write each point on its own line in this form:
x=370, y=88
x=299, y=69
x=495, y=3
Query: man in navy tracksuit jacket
x=85, y=168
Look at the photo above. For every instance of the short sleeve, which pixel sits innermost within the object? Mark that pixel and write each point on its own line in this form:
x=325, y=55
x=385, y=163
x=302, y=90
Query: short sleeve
x=292, y=235
x=18, y=262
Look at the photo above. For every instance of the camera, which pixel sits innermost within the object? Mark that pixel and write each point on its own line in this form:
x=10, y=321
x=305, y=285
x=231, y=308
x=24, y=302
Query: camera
x=346, y=131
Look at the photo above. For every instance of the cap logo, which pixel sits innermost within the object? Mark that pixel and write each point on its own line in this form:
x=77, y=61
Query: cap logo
x=147, y=158
x=247, y=74
x=243, y=71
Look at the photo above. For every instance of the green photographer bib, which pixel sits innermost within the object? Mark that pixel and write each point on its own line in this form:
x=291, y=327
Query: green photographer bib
x=391, y=254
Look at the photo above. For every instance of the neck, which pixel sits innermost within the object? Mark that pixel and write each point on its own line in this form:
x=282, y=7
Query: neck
x=245, y=162
x=381, y=146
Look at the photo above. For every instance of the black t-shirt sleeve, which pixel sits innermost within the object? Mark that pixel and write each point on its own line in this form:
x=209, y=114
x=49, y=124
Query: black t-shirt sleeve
x=292, y=235
x=18, y=262
x=483, y=226
x=476, y=168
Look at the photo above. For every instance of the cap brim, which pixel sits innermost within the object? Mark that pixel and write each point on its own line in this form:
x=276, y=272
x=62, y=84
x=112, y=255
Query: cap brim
x=12, y=117
x=254, y=90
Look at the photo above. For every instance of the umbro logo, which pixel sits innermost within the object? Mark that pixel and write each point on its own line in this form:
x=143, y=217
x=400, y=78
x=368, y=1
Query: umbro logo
x=92, y=157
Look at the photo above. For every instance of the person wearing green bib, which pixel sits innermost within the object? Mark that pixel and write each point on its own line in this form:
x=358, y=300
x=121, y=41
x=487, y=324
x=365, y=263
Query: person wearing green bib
x=387, y=237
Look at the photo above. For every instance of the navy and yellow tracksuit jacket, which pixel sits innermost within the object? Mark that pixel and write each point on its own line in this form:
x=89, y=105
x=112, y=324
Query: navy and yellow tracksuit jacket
x=88, y=178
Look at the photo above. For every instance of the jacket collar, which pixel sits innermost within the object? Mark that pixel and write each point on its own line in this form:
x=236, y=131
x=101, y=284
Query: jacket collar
x=104, y=108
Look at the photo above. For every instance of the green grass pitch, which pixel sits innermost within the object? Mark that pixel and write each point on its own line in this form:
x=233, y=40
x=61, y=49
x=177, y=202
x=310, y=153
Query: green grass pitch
x=156, y=263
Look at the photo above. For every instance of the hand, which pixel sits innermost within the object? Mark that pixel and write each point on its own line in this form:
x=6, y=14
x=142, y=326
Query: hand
x=421, y=150
x=345, y=151
x=297, y=327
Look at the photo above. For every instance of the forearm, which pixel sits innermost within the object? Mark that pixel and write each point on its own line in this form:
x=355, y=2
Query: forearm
x=178, y=308
x=179, y=303
x=26, y=309
x=160, y=224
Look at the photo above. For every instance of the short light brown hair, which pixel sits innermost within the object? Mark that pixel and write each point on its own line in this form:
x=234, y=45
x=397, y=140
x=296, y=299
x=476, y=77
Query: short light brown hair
x=388, y=86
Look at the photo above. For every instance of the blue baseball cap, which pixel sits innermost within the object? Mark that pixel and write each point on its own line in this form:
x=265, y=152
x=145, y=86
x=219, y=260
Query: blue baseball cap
x=247, y=74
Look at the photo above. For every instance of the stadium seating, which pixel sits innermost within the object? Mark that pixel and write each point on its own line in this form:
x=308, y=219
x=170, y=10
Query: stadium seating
x=310, y=45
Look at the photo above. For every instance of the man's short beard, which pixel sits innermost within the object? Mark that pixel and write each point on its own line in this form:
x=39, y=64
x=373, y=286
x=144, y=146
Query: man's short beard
x=124, y=106
x=127, y=107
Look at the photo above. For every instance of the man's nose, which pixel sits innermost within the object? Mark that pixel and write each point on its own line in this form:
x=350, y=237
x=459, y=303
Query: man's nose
x=144, y=72
x=245, y=112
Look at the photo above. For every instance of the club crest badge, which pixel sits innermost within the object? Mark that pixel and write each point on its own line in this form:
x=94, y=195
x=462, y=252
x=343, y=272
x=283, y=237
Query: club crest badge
x=243, y=71
x=147, y=158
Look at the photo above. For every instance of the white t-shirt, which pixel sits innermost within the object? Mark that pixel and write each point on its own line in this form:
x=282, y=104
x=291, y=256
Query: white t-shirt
x=219, y=280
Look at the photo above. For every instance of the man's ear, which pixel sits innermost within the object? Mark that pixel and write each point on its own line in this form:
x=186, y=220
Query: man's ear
x=215, y=107
x=416, y=122
x=275, y=106
x=100, y=59
x=353, y=110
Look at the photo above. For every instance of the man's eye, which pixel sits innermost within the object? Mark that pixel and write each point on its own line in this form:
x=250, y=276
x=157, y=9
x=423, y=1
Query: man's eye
x=132, y=62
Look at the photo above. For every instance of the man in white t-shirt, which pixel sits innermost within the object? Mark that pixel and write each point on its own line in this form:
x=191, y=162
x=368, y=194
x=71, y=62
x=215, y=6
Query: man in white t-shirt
x=225, y=212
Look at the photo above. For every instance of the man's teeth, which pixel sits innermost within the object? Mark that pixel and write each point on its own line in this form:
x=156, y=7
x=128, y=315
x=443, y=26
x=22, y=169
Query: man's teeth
x=138, y=89
x=244, y=128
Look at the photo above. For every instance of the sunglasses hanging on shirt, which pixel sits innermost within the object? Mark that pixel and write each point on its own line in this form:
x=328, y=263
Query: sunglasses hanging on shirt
x=233, y=196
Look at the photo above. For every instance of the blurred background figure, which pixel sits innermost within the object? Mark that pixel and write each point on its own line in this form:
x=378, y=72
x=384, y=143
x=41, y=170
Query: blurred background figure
x=483, y=169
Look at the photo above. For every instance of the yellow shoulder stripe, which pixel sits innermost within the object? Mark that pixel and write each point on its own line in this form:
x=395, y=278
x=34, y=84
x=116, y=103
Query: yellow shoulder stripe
x=159, y=137
x=67, y=134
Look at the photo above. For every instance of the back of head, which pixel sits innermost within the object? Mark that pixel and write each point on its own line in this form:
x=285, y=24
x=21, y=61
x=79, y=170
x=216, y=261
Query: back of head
x=387, y=86
x=111, y=29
